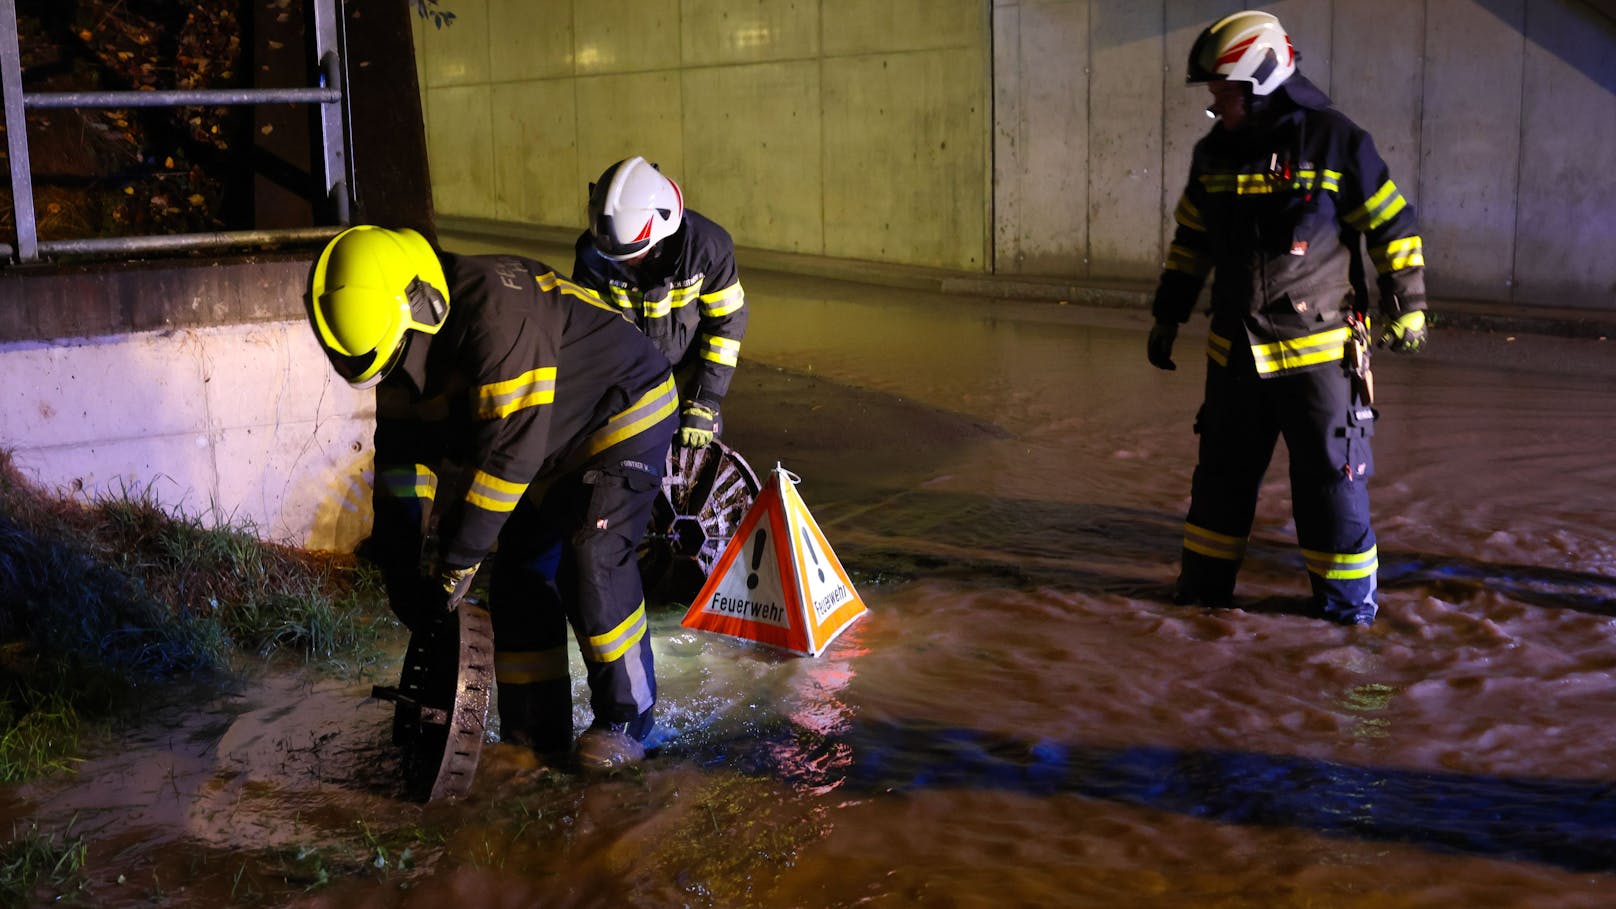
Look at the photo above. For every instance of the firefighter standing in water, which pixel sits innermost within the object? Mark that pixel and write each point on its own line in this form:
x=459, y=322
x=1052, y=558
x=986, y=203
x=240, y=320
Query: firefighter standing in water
x=672, y=273
x=557, y=414
x=1280, y=192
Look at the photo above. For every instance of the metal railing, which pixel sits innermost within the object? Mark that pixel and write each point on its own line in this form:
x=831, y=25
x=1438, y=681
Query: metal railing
x=334, y=161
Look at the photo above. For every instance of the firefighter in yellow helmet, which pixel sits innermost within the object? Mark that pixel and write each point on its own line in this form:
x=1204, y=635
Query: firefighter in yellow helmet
x=1281, y=192
x=672, y=273
x=556, y=414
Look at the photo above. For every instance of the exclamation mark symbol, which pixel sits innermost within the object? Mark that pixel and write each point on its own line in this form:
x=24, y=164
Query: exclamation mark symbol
x=757, y=558
x=809, y=542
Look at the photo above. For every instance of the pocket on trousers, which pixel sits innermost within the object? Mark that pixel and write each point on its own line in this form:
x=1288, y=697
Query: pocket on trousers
x=616, y=500
x=1359, y=429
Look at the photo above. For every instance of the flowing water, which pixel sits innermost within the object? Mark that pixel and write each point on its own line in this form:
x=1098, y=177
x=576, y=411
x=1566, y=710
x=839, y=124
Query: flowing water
x=1023, y=718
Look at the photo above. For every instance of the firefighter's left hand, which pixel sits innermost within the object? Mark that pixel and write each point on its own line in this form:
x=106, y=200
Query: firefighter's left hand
x=440, y=593
x=696, y=425
x=1406, y=333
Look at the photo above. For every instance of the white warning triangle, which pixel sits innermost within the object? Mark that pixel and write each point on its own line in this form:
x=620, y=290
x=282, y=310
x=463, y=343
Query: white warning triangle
x=777, y=582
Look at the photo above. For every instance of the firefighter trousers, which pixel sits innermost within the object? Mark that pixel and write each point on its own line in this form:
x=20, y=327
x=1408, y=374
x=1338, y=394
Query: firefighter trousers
x=1327, y=436
x=571, y=560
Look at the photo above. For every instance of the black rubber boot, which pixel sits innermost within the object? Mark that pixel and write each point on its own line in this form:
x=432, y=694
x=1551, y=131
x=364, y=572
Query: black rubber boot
x=608, y=746
x=1186, y=594
x=537, y=715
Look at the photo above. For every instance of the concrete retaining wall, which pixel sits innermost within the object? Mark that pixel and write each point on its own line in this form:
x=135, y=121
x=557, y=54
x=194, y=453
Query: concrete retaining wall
x=838, y=128
x=197, y=384
x=242, y=424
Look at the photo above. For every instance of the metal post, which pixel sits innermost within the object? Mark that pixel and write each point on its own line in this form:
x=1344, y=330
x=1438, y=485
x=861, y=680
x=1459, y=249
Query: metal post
x=328, y=47
x=22, y=186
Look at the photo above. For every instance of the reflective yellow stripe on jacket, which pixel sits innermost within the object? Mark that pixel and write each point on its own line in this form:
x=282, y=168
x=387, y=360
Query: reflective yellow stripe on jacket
x=1266, y=184
x=652, y=407
x=724, y=351
x=531, y=389
x=551, y=281
x=1188, y=215
x=1377, y=209
x=1408, y=252
x=723, y=302
x=1298, y=353
x=417, y=481
x=678, y=298
x=1189, y=261
x=492, y=493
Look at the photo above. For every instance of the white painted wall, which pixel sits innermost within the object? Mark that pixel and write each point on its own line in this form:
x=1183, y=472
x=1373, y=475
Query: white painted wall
x=245, y=425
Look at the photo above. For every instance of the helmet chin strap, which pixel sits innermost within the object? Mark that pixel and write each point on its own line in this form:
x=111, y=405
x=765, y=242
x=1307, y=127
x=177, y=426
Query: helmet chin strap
x=1259, y=110
x=642, y=260
x=411, y=369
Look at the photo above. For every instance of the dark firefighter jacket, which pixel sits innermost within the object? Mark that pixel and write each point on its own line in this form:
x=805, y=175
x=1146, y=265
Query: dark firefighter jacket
x=529, y=376
x=1276, y=209
x=685, y=295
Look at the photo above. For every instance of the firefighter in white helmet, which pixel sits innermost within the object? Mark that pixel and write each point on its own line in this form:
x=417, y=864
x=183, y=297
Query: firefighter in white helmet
x=556, y=415
x=672, y=273
x=1281, y=192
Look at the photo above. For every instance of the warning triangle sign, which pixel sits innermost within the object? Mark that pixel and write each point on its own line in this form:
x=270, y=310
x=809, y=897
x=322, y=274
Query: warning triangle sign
x=778, y=582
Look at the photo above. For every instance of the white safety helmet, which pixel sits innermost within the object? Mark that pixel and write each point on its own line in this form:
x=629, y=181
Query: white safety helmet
x=632, y=207
x=1246, y=47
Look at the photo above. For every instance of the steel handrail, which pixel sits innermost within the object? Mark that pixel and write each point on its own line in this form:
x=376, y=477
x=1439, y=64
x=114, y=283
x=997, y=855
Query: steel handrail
x=334, y=159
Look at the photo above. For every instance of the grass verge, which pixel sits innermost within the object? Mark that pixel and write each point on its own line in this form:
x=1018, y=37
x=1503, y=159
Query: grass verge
x=97, y=597
x=39, y=869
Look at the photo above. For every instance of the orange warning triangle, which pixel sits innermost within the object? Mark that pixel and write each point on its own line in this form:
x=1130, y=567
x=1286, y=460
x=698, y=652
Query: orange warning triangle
x=777, y=582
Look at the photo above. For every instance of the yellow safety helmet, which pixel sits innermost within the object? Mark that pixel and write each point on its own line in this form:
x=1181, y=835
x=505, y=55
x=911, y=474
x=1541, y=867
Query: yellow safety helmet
x=371, y=287
x=1248, y=47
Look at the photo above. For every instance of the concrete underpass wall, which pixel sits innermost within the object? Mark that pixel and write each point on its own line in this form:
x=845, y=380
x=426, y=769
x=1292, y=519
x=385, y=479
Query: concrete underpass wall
x=1038, y=138
x=1498, y=117
x=838, y=128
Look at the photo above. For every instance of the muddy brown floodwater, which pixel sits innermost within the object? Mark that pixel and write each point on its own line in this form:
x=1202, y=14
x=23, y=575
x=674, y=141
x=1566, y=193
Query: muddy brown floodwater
x=1023, y=718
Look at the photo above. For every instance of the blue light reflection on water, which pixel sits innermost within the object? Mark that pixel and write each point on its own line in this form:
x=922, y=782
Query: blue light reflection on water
x=1565, y=823
x=1537, y=585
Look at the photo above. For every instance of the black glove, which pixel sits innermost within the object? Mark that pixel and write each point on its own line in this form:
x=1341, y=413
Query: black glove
x=437, y=595
x=1159, y=349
